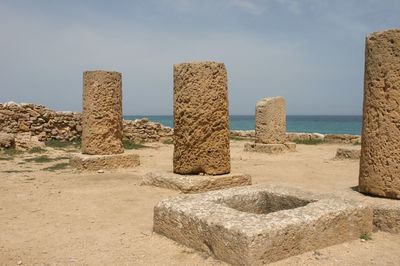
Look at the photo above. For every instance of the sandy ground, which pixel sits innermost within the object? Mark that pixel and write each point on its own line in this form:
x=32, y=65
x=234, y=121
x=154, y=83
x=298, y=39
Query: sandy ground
x=66, y=217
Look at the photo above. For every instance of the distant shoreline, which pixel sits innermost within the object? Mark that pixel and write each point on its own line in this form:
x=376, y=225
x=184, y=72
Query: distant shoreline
x=324, y=124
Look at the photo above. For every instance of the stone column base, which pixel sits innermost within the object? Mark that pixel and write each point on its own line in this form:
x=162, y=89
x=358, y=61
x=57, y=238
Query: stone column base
x=195, y=183
x=97, y=162
x=270, y=148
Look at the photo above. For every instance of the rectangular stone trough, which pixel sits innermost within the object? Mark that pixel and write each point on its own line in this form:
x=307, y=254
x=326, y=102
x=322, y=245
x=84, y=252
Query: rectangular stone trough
x=260, y=224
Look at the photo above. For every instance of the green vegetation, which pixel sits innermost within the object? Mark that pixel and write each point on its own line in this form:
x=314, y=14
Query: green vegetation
x=37, y=150
x=17, y=171
x=62, y=144
x=357, y=143
x=129, y=145
x=44, y=159
x=12, y=152
x=308, y=141
x=58, y=166
x=365, y=237
x=168, y=141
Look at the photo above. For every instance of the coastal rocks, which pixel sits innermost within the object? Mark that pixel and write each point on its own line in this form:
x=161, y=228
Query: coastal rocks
x=342, y=138
x=25, y=141
x=102, y=113
x=249, y=134
x=379, y=168
x=294, y=136
x=7, y=140
x=201, y=119
x=348, y=153
x=271, y=121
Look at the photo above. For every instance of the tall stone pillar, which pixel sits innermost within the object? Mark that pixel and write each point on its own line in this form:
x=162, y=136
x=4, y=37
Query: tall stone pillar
x=271, y=121
x=201, y=119
x=102, y=113
x=380, y=150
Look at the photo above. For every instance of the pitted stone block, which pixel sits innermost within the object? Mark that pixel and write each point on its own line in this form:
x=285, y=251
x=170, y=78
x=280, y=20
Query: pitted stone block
x=271, y=121
x=255, y=225
x=201, y=119
x=380, y=152
x=195, y=183
x=102, y=113
x=98, y=162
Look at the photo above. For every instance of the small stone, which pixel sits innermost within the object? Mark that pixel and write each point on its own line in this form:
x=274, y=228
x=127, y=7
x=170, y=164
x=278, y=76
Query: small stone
x=19, y=262
x=100, y=171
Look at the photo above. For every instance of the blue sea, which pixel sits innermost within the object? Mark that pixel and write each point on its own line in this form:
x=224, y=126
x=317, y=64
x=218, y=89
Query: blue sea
x=324, y=124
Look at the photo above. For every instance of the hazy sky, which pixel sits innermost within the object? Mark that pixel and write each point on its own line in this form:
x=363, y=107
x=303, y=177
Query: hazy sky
x=309, y=51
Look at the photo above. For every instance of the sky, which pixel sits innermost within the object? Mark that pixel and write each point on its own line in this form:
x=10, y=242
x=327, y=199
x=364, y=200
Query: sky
x=311, y=52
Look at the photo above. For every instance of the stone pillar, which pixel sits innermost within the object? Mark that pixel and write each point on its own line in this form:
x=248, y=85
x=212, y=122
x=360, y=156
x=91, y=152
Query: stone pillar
x=102, y=113
x=201, y=119
x=271, y=121
x=380, y=152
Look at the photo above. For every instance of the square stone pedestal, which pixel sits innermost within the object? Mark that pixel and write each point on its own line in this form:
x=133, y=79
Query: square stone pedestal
x=256, y=225
x=270, y=148
x=97, y=162
x=195, y=183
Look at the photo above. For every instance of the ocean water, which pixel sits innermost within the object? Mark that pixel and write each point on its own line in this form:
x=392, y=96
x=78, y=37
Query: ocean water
x=325, y=124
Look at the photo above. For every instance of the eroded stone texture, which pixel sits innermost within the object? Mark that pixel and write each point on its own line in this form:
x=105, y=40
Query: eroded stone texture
x=102, y=113
x=271, y=121
x=98, y=162
x=195, y=183
x=380, y=152
x=348, y=153
x=201, y=119
x=256, y=225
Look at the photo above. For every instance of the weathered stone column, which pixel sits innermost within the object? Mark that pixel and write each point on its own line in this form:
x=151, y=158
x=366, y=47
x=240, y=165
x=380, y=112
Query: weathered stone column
x=102, y=113
x=380, y=152
x=201, y=119
x=271, y=121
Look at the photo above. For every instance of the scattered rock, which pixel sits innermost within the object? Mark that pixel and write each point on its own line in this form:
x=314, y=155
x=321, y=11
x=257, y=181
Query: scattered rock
x=25, y=141
x=7, y=140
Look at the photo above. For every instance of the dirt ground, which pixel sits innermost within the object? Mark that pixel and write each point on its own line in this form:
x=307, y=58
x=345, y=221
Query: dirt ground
x=66, y=217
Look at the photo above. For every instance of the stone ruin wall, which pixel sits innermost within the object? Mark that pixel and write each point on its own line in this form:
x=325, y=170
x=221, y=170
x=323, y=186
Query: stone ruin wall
x=48, y=124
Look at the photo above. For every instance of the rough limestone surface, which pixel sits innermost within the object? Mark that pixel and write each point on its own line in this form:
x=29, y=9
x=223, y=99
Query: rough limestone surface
x=380, y=152
x=256, y=225
x=7, y=140
x=102, y=113
x=195, y=183
x=271, y=121
x=266, y=148
x=348, y=153
x=201, y=119
x=387, y=218
x=99, y=162
x=25, y=141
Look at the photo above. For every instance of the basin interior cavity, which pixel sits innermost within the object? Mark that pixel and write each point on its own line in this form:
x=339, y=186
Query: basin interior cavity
x=264, y=202
x=255, y=225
